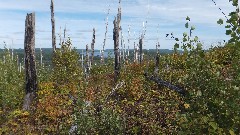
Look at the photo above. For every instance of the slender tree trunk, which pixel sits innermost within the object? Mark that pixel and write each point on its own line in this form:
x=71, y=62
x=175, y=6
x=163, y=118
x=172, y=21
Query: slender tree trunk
x=140, y=49
x=41, y=57
x=87, y=65
x=136, y=53
x=105, y=37
x=116, y=49
x=92, y=45
x=64, y=33
x=116, y=31
x=30, y=63
x=53, y=26
x=60, y=36
x=82, y=59
x=156, y=65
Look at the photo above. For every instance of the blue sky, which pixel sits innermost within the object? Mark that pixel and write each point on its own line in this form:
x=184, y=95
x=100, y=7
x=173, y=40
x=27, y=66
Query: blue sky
x=81, y=16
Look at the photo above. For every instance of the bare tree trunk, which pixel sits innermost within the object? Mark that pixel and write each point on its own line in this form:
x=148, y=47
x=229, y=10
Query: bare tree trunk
x=140, y=49
x=30, y=64
x=116, y=31
x=92, y=45
x=128, y=53
x=156, y=65
x=12, y=53
x=53, y=26
x=87, y=65
x=157, y=59
x=82, y=59
x=135, y=53
x=105, y=37
x=157, y=47
x=116, y=49
x=17, y=61
x=60, y=36
x=41, y=57
x=64, y=33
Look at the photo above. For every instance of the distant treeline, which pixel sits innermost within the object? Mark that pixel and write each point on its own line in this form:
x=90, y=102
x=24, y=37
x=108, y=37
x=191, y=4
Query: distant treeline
x=47, y=53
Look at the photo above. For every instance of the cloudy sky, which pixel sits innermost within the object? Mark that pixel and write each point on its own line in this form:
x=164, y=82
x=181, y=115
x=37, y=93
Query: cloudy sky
x=81, y=16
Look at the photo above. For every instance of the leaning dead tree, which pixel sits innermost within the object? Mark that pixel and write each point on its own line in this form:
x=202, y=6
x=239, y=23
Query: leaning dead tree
x=30, y=63
x=92, y=45
x=53, y=26
x=169, y=85
x=116, y=31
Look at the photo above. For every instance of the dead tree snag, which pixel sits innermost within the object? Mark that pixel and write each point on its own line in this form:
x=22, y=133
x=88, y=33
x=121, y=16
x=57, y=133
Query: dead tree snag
x=30, y=63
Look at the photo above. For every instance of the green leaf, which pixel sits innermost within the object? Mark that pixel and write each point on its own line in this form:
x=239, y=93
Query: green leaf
x=213, y=125
x=238, y=31
x=235, y=3
x=199, y=93
x=176, y=45
x=176, y=39
x=195, y=38
x=184, y=39
x=234, y=17
x=228, y=32
x=185, y=34
x=192, y=27
x=205, y=119
x=231, y=132
x=228, y=26
x=236, y=88
x=199, y=45
x=220, y=21
x=188, y=18
x=186, y=25
x=218, y=74
x=189, y=45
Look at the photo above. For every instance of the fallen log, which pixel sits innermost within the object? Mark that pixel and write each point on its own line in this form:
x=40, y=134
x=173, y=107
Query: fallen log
x=166, y=84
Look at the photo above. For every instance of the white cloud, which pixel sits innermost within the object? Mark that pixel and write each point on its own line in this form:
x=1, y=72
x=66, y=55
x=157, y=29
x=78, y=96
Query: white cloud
x=169, y=14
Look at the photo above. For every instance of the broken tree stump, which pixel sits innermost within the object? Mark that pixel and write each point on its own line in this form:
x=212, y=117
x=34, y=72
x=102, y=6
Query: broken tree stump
x=30, y=63
x=116, y=30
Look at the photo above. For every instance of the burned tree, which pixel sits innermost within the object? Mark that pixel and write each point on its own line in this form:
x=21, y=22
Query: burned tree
x=30, y=63
x=116, y=48
x=140, y=49
x=92, y=45
x=53, y=27
x=116, y=30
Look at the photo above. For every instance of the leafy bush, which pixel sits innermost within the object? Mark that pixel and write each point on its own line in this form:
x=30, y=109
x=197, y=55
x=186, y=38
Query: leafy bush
x=11, y=85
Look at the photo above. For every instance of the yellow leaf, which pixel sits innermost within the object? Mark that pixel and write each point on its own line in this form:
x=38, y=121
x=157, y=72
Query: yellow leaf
x=14, y=124
x=186, y=106
x=231, y=132
x=25, y=113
